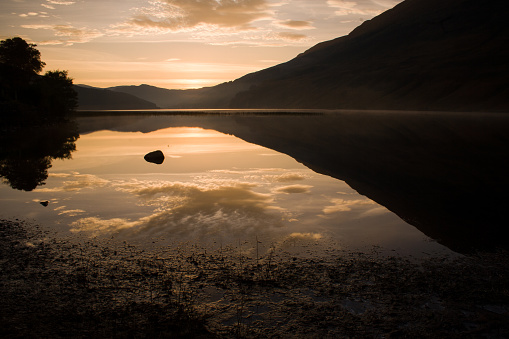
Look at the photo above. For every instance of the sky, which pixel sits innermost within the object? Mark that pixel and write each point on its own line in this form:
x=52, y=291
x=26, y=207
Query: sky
x=177, y=44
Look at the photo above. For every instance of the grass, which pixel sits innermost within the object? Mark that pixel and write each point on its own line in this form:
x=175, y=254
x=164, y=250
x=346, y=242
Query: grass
x=63, y=288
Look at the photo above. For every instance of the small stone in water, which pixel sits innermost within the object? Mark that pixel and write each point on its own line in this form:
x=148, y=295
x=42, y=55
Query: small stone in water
x=156, y=157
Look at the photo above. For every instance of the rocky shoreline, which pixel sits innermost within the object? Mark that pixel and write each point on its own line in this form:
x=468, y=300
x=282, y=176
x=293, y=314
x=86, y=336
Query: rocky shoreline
x=61, y=288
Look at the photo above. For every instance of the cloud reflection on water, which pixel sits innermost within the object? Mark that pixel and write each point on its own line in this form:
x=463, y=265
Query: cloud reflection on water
x=343, y=205
x=288, y=177
x=220, y=190
x=294, y=189
x=76, y=182
x=193, y=211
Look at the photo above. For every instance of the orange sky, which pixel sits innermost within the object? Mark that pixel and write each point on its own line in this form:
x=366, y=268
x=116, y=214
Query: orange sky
x=177, y=43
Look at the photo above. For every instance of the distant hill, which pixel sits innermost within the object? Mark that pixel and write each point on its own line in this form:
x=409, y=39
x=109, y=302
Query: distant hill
x=208, y=97
x=421, y=55
x=91, y=98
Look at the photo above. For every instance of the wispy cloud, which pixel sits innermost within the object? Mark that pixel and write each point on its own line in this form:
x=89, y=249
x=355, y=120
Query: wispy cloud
x=287, y=177
x=365, y=7
x=34, y=14
x=305, y=236
x=50, y=4
x=343, y=205
x=386, y=3
x=189, y=15
x=71, y=213
x=294, y=189
x=68, y=34
x=296, y=24
x=192, y=211
x=289, y=36
x=75, y=183
x=61, y=2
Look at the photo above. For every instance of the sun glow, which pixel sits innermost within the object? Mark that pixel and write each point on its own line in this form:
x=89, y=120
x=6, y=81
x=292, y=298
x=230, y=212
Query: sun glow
x=177, y=43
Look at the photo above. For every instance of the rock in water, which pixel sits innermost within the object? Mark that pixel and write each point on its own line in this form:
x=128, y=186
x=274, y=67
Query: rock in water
x=156, y=157
x=44, y=203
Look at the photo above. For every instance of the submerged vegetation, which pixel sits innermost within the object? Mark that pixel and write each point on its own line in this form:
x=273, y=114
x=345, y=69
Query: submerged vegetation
x=67, y=288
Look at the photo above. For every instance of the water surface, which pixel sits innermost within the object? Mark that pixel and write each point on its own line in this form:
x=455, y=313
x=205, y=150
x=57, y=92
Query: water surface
x=268, y=180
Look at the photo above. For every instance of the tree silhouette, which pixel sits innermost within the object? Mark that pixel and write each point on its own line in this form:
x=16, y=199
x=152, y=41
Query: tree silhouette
x=25, y=174
x=25, y=96
x=21, y=55
x=19, y=63
x=26, y=153
x=54, y=93
x=34, y=128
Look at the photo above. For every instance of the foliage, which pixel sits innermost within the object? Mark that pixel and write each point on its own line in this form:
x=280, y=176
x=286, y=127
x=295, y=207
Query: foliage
x=55, y=93
x=19, y=54
x=25, y=96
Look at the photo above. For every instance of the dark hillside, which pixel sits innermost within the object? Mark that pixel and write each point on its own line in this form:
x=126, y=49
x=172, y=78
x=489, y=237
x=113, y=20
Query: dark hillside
x=420, y=55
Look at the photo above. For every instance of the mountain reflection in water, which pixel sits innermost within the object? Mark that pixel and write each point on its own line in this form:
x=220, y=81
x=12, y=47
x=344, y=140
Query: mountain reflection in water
x=443, y=173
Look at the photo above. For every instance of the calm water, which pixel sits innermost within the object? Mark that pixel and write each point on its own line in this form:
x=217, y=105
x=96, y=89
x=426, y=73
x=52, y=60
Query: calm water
x=304, y=182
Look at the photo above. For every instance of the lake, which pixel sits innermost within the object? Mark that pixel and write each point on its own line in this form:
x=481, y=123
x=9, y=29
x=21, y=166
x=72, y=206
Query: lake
x=405, y=183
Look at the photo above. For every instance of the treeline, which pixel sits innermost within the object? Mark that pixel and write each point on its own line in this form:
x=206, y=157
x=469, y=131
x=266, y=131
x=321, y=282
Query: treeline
x=27, y=97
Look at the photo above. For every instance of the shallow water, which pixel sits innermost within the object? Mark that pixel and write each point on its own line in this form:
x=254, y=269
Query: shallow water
x=216, y=189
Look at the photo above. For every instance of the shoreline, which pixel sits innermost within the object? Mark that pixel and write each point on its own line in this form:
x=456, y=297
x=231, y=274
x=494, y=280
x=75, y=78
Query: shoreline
x=55, y=288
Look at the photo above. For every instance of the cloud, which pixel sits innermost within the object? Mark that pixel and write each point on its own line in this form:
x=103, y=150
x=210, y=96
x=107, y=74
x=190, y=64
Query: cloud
x=61, y=175
x=342, y=205
x=386, y=3
x=305, y=236
x=61, y=2
x=72, y=213
x=344, y=7
x=187, y=15
x=77, y=182
x=284, y=178
x=270, y=61
x=25, y=15
x=291, y=36
x=295, y=24
x=193, y=212
x=294, y=189
x=69, y=34
x=265, y=39
x=96, y=226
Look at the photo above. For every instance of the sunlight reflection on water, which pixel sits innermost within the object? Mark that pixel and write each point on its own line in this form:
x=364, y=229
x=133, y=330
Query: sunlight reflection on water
x=213, y=189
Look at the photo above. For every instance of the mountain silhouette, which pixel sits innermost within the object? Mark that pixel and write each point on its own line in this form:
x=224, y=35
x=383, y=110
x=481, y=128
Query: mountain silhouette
x=207, y=97
x=421, y=55
x=92, y=98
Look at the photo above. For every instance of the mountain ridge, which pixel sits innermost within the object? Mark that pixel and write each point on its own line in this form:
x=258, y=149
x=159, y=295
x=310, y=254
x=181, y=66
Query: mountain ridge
x=93, y=98
x=420, y=55
x=401, y=59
